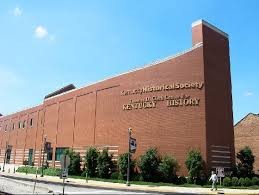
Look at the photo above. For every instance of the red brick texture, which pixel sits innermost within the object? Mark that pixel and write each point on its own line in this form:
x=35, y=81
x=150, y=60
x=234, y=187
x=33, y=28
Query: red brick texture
x=247, y=134
x=100, y=114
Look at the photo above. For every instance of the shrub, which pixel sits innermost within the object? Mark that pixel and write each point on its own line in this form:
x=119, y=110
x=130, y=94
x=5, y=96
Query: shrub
x=202, y=179
x=91, y=161
x=25, y=162
x=234, y=181
x=137, y=177
x=148, y=164
x=104, y=164
x=181, y=180
x=241, y=182
x=123, y=166
x=83, y=174
x=247, y=182
x=194, y=164
x=52, y=171
x=245, y=162
x=75, y=162
x=168, y=168
x=28, y=169
x=255, y=181
x=189, y=180
x=32, y=170
x=115, y=175
x=227, y=182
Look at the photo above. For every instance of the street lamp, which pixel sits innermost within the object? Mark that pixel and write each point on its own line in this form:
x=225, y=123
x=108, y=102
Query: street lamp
x=42, y=163
x=128, y=170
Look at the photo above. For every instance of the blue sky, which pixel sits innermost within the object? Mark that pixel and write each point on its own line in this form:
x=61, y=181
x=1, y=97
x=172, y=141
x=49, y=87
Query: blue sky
x=45, y=45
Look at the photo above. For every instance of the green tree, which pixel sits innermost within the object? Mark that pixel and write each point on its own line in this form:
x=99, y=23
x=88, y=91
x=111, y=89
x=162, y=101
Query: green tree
x=104, y=164
x=75, y=162
x=195, y=165
x=123, y=166
x=91, y=161
x=168, y=168
x=245, y=162
x=148, y=165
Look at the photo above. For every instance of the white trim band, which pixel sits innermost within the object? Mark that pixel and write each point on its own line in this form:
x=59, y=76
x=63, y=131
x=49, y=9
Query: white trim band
x=217, y=146
x=221, y=162
x=219, y=151
x=216, y=156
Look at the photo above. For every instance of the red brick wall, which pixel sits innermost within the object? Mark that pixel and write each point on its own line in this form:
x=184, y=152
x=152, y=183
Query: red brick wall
x=247, y=134
x=219, y=117
x=84, y=129
x=94, y=115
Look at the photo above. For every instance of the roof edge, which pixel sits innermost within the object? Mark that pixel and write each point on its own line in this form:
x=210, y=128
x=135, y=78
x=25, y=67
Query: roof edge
x=250, y=113
x=198, y=22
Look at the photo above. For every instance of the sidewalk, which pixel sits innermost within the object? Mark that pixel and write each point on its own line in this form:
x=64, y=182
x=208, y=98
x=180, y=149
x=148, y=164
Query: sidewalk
x=119, y=186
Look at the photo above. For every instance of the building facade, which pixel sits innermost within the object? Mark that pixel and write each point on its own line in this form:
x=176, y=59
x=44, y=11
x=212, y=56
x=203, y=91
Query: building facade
x=247, y=134
x=176, y=104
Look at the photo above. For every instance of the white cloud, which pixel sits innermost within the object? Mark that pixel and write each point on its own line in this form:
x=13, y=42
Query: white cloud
x=248, y=93
x=40, y=32
x=16, y=11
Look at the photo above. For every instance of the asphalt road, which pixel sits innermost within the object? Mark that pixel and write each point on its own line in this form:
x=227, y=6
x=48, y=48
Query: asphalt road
x=13, y=186
x=26, y=187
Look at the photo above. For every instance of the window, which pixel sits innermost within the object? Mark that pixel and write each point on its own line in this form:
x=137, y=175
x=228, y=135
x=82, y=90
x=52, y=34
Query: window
x=20, y=125
x=59, y=153
x=31, y=122
x=13, y=126
x=5, y=128
x=8, y=154
x=49, y=154
x=24, y=124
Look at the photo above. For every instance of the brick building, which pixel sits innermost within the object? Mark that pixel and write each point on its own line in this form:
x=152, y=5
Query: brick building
x=175, y=104
x=247, y=134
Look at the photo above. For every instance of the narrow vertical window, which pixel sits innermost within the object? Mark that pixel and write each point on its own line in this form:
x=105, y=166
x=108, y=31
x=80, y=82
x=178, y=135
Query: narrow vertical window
x=31, y=122
x=24, y=124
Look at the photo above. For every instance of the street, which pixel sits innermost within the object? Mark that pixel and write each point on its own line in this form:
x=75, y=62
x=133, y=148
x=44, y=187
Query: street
x=26, y=187
x=14, y=186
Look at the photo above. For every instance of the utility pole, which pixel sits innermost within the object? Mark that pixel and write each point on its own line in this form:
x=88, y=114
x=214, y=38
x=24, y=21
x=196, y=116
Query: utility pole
x=44, y=149
x=128, y=170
